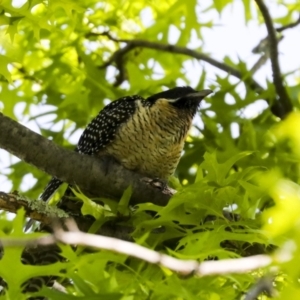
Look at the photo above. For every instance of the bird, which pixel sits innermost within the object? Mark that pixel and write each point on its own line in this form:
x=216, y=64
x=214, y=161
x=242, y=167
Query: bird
x=143, y=135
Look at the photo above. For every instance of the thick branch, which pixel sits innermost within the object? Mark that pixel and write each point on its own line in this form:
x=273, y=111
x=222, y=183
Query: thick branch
x=277, y=77
x=93, y=176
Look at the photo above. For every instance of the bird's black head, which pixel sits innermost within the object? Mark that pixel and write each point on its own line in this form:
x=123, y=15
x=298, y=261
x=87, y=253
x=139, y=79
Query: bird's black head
x=181, y=97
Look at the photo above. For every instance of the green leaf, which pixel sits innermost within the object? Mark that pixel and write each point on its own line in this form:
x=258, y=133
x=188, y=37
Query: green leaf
x=221, y=4
x=218, y=171
x=4, y=61
x=124, y=202
x=247, y=10
x=90, y=207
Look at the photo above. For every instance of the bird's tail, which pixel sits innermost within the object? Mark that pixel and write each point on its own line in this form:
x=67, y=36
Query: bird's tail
x=51, y=187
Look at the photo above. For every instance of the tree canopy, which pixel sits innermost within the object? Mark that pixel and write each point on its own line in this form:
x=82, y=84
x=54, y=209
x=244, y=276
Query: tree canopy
x=235, y=195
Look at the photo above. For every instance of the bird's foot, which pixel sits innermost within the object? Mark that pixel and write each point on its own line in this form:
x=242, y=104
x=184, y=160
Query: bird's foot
x=156, y=182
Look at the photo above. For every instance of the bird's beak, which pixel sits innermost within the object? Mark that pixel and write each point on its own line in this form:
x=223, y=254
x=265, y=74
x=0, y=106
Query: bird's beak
x=201, y=94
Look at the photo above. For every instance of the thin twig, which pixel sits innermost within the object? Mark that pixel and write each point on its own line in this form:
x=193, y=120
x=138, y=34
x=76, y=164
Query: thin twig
x=57, y=286
x=118, y=56
x=263, y=285
x=118, y=59
x=47, y=214
x=131, y=44
x=289, y=26
x=262, y=48
x=37, y=210
x=261, y=61
x=277, y=77
x=184, y=267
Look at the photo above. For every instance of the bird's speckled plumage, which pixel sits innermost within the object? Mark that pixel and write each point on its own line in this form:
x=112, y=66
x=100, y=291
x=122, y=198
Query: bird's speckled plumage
x=144, y=135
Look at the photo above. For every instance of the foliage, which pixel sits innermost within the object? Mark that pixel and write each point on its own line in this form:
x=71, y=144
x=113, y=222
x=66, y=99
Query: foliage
x=53, y=55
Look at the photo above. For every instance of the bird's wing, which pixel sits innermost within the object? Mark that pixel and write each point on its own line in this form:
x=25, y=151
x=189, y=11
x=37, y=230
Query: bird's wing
x=102, y=129
x=99, y=133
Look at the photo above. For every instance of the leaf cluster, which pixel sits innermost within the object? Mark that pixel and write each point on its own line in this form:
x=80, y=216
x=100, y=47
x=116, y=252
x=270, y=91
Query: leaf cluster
x=238, y=178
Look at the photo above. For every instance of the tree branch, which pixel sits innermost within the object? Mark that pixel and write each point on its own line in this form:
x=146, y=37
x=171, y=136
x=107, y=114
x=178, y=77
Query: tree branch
x=39, y=211
x=184, y=267
x=289, y=26
x=46, y=214
x=263, y=285
x=132, y=44
x=118, y=59
x=277, y=77
x=94, y=176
